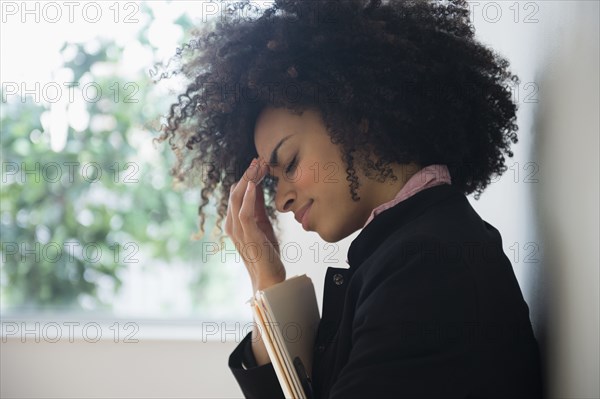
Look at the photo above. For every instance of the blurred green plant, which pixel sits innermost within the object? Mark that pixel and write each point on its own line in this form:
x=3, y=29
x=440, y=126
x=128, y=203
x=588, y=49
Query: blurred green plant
x=77, y=216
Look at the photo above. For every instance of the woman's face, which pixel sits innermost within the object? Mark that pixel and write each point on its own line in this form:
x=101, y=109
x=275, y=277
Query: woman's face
x=310, y=172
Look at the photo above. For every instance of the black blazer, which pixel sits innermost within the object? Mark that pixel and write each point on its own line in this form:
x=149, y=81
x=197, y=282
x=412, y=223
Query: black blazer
x=430, y=307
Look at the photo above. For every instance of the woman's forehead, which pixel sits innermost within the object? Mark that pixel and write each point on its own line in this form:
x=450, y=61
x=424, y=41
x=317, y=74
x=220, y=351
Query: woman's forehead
x=273, y=126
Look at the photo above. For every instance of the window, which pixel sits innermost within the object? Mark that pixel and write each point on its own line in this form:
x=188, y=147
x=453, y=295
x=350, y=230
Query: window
x=90, y=221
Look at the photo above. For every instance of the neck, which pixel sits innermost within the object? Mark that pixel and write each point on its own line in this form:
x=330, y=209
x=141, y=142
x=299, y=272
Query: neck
x=387, y=191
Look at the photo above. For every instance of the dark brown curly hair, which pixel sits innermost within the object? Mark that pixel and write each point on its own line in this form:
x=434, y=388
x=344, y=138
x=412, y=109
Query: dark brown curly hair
x=404, y=79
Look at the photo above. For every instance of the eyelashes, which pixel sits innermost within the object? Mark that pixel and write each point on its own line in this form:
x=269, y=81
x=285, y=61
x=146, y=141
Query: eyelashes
x=289, y=169
x=292, y=165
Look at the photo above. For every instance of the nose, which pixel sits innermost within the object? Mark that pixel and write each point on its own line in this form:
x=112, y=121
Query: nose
x=285, y=195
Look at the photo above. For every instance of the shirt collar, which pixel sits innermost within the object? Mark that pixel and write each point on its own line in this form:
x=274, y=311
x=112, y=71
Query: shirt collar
x=429, y=176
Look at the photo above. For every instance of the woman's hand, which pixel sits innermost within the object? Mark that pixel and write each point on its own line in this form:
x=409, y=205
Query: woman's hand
x=250, y=229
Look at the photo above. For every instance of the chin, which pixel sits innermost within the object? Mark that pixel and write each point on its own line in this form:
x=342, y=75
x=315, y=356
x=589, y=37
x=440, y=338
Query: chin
x=332, y=236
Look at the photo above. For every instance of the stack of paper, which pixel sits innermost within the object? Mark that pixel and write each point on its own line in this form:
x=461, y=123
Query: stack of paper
x=288, y=317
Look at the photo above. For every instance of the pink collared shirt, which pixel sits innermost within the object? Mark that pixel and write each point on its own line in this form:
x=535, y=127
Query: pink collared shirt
x=429, y=176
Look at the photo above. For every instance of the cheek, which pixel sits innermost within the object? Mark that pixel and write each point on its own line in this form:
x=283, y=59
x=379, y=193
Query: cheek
x=303, y=178
x=327, y=175
x=315, y=180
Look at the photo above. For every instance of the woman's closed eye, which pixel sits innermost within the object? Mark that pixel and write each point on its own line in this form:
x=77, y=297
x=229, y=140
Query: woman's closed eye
x=291, y=166
x=270, y=176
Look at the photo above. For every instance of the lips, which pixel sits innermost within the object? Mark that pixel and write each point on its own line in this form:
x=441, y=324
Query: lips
x=300, y=213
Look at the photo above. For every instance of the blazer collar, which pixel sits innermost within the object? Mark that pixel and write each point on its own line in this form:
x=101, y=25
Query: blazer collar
x=393, y=219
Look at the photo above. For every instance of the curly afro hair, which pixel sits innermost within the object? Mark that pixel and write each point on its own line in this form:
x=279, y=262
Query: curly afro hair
x=405, y=80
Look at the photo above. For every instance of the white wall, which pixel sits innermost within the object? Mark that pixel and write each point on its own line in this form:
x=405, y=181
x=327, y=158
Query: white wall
x=558, y=215
x=565, y=286
x=105, y=369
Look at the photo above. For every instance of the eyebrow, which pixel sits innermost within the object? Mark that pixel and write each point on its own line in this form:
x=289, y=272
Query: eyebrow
x=273, y=161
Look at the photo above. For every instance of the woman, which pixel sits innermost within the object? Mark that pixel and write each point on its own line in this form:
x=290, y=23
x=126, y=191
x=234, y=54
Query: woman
x=377, y=116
